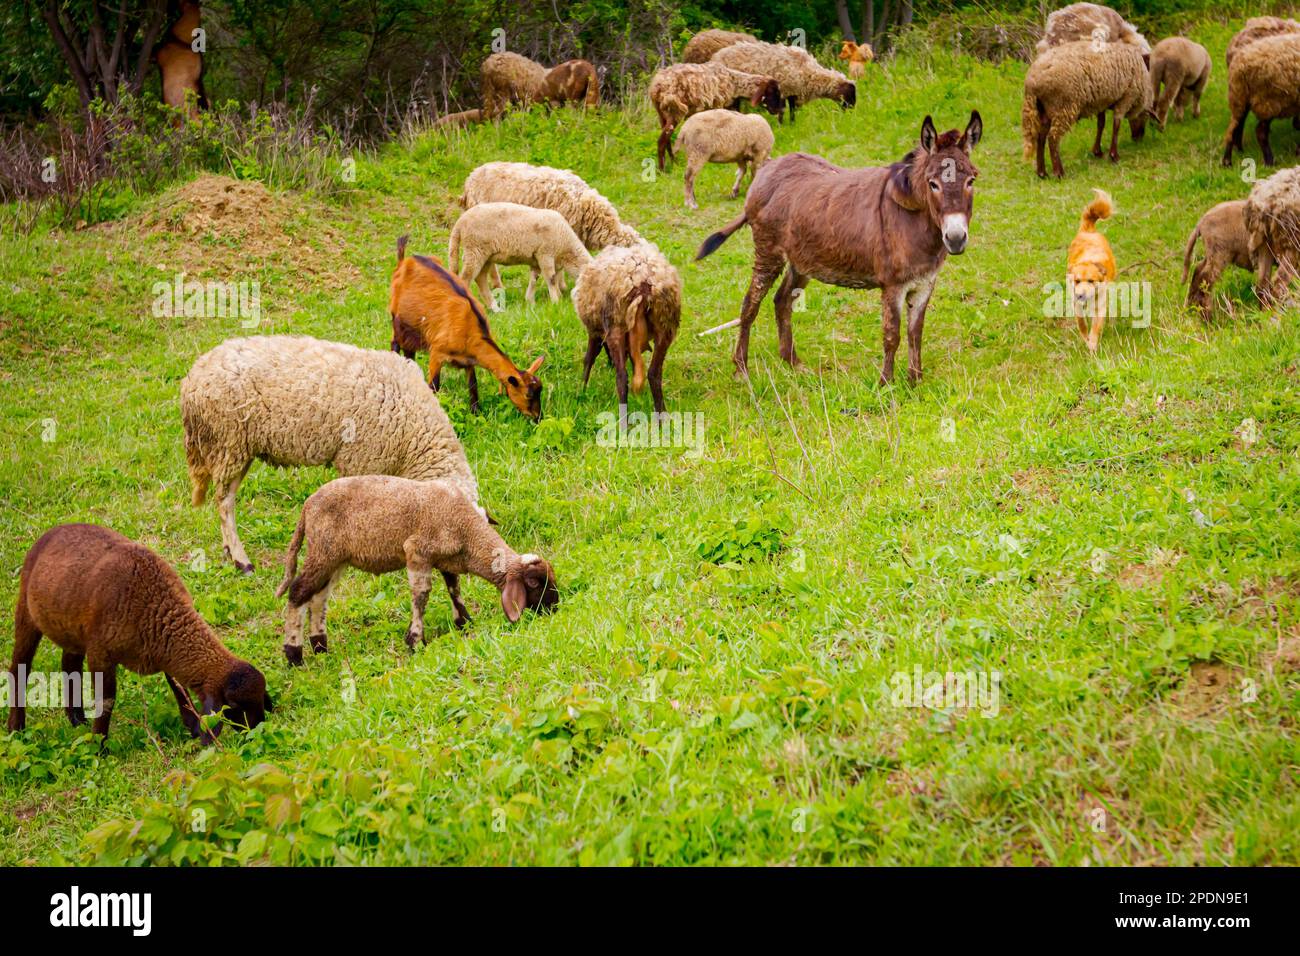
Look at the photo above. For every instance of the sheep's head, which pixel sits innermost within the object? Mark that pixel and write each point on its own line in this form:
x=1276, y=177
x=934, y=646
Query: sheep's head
x=768, y=95
x=524, y=389
x=530, y=583
x=847, y=95
x=243, y=695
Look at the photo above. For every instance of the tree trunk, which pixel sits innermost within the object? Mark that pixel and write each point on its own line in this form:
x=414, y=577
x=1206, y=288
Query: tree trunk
x=846, y=25
x=883, y=25
x=868, y=21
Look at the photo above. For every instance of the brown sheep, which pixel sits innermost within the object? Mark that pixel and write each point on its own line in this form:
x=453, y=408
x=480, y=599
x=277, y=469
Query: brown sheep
x=800, y=77
x=508, y=79
x=1183, y=68
x=701, y=47
x=1257, y=28
x=1222, y=230
x=1090, y=21
x=108, y=601
x=687, y=88
x=574, y=81
x=1264, y=79
x=1272, y=216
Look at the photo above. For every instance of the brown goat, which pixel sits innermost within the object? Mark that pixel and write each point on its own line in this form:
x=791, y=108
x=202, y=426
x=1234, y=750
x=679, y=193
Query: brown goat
x=572, y=81
x=887, y=227
x=433, y=311
x=180, y=64
x=106, y=600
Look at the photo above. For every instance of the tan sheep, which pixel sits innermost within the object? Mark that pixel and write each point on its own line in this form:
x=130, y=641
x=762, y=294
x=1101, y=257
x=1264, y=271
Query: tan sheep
x=508, y=234
x=1257, y=28
x=801, y=78
x=1222, y=231
x=378, y=523
x=1264, y=79
x=1080, y=79
x=688, y=88
x=701, y=47
x=1183, y=68
x=1090, y=21
x=1272, y=216
x=723, y=136
x=588, y=213
x=628, y=299
x=508, y=79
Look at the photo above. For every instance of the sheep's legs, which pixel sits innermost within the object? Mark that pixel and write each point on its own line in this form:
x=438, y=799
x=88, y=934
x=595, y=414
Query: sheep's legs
x=26, y=637
x=1044, y=127
x=420, y=578
x=594, y=342
x=656, y=372
x=1264, y=263
x=546, y=266
x=1101, y=128
x=1261, y=135
x=1232, y=140
x=453, y=590
x=107, y=695
x=664, y=146
x=1200, y=292
x=785, y=294
x=189, y=716
x=74, y=690
x=1114, y=136
x=316, y=611
x=917, y=301
x=530, y=292
x=740, y=175
x=617, y=346
x=766, y=271
x=234, y=548
x=694, y=163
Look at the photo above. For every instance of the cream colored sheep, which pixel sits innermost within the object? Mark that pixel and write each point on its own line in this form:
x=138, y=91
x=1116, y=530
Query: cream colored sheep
x=1264, y=79
x=293, y=400
x=701, y=47
x=684, y=89
x=1183, y=68
x=1222, y=231
x=587, y=212
x=508, y=234
x=801, y=78
x=508, y=79
x=723, y=136
x=1081, y=79
x=1272, y=216
x=1090, y=21
x=1257, y=28
x=630, y=299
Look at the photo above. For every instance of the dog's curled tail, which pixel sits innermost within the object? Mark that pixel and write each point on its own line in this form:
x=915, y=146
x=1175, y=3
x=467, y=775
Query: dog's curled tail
x=1187, y=253
x=1100, y=208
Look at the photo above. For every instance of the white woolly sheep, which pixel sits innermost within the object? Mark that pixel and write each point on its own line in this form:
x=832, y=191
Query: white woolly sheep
x=1264, y=79
x=701, y=47
x=684, y=89
x=1080, y=79
x=1257, y=28
x=508, y=79
x=801, y=78
x=293, y=400
x=1272, y=216
x=379, y=523
x=1183, y=68
x=723, y=136
x=1090, y=21
x=508, y=234
x=1222, y=230
x=587, y=212
x=628, y=299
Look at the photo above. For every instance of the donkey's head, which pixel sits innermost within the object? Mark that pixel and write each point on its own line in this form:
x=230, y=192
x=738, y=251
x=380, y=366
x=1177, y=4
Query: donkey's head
x=938, y=178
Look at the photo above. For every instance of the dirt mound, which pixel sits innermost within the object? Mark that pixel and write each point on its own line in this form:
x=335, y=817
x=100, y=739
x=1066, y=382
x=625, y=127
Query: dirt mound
x=221, y=207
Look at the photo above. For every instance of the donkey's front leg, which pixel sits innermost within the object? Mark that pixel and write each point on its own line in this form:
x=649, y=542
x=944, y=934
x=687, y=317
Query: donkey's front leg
x=918, y=299
x=891, y=317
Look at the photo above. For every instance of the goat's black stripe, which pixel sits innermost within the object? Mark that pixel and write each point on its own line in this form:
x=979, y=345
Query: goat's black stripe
x=461, y=291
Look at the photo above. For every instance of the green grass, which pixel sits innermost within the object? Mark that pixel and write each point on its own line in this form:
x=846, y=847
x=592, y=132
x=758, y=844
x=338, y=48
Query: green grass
x=1096, y=532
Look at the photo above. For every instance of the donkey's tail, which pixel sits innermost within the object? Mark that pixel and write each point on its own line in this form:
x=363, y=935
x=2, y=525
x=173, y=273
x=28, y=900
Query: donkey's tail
x=291, y=556
x=718, y=238
x=1187, y=253
x=1100, y=208
x=1030, y=124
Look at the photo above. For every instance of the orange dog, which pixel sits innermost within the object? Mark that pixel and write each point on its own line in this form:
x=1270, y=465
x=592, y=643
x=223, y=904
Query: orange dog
x=858, y=55
x=1091, y=269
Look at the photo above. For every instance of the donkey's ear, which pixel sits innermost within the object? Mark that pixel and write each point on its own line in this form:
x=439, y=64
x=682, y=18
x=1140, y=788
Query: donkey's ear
x=928, y=135
x=974, y=132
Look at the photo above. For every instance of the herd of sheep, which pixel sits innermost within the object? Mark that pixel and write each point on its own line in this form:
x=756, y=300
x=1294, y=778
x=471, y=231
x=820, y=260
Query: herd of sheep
x=407, y=496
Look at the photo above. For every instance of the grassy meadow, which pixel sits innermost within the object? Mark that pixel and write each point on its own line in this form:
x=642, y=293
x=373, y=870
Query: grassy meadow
x=1112, y=541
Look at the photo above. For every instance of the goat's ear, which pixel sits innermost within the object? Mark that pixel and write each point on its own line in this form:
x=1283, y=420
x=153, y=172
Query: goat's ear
x=928, y=134
x=974, y=132
x=512, y=598
x=537, y=363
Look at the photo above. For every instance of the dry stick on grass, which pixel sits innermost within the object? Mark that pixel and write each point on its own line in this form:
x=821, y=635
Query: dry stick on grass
x=766, y=438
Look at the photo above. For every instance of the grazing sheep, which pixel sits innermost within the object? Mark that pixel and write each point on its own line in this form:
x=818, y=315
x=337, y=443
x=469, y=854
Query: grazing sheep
x=293, y=400
x=701, y=47
x=858, y=55
x=1090, y=21
x=628, y=299
x=106, y=600
x=1080, y=79
x=508, y=234
x=687, y=88
x=1272, y=216
x=1222, y=230
x=800, y=77
x=587, y=212
x=378, y=523
x=1183, y=67
x=723, y=136
x=508, y=79
x=430, y=306
x=1264, y=79
x=1257, y=28
x=573, y=81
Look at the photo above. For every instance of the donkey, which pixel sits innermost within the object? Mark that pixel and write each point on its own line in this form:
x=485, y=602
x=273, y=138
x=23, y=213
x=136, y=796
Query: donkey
x=885, y=227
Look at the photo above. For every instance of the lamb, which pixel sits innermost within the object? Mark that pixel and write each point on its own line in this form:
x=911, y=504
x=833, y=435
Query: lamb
x=723, y=136
x=701, y=47
x=1183, y=67
x=380, y=523
x=858, y=55
x=629, y=298
x=294, y=400
x=591, y=216
x=1264, y=79
x=1080, y=79
x=800, y=77
x=509, y=79
x=506, y=233
x=1257, y=28
x=1222, y=230
x=572, y=81
x=431, y=309
x=687, y=88
x=1090, y=21
x=1272, y=217
x=106, y=600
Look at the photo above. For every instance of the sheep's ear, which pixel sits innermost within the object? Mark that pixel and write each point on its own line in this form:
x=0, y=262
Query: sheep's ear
x=512, y=598
x=928, y=134
x=974, y=132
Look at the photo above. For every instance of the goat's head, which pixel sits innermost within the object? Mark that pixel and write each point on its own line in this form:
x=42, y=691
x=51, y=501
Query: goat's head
x=530, y=583
x=524, y=389
x=768, y=95
x=939, y=178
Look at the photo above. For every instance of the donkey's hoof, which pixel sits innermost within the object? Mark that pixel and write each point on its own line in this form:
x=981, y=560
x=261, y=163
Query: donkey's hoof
x=293, y=654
